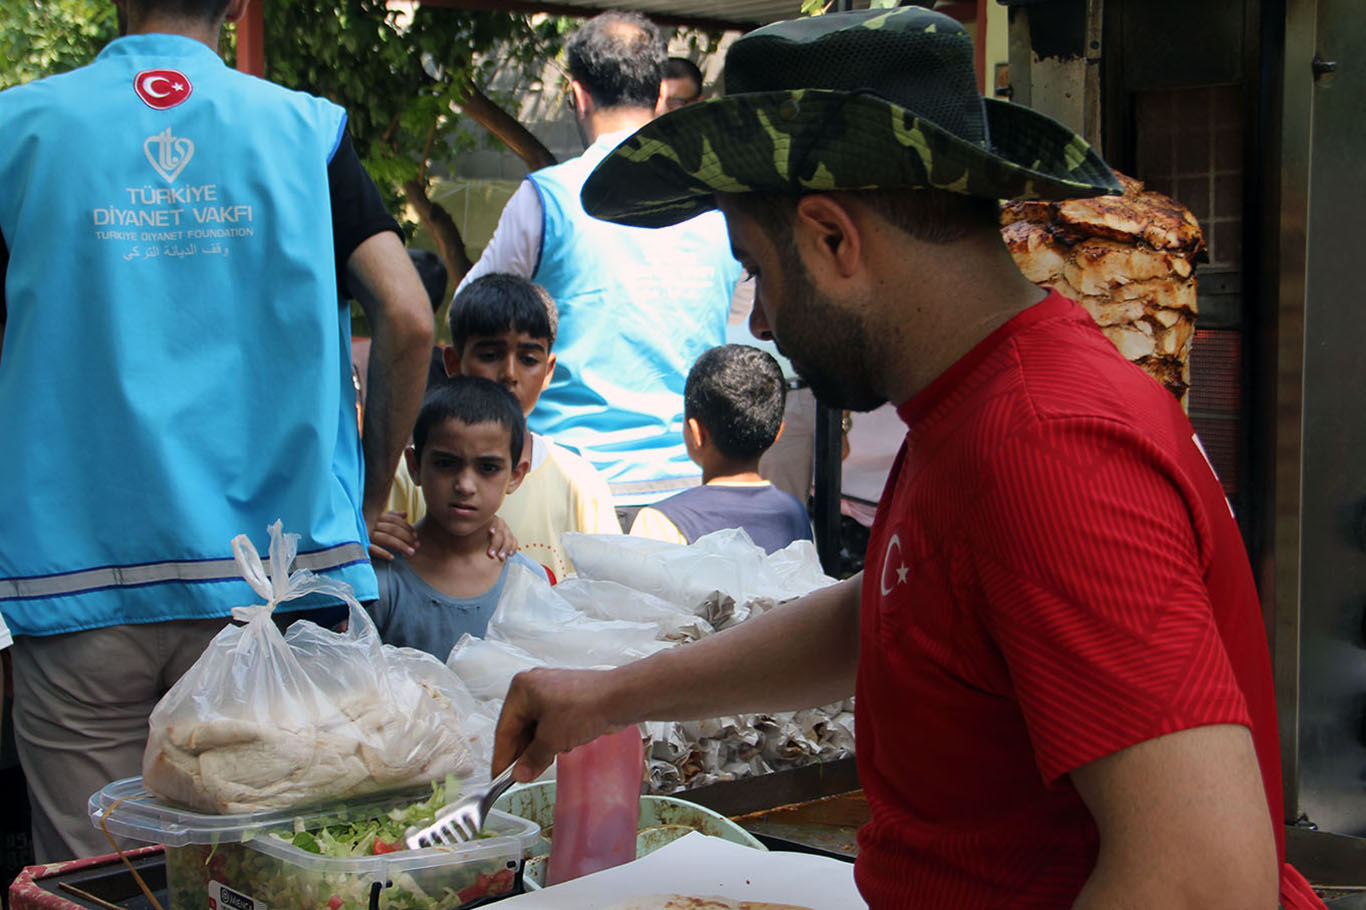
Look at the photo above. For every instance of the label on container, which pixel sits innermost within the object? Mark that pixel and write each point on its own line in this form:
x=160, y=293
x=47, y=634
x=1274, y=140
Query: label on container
x=221, y=897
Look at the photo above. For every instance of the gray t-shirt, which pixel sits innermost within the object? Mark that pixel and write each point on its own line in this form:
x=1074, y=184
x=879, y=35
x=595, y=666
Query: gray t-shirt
x=412, y=614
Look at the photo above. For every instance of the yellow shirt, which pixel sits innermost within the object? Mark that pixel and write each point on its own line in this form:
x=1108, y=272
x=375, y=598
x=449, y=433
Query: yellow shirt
x=562, y=492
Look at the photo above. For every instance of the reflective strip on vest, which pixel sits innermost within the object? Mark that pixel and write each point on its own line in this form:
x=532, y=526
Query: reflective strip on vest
x=159, y=572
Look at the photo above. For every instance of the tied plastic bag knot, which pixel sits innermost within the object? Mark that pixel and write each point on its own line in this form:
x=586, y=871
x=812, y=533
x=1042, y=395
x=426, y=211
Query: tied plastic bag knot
x=279, y=585
x=251, y=614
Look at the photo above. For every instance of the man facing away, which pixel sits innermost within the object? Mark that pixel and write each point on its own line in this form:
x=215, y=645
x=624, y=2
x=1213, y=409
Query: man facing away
x=637, y=307
x=167, y=218
x=733, y=407
x=1064, y=693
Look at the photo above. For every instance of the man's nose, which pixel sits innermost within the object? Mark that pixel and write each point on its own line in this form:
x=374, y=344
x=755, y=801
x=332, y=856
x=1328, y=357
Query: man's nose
x=758, y=322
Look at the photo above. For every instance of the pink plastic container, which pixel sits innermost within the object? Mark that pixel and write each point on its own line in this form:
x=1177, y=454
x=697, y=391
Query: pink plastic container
x=597, y=806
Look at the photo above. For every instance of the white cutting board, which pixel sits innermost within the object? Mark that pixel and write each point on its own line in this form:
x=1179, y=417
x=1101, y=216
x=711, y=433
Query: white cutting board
x=700, y=865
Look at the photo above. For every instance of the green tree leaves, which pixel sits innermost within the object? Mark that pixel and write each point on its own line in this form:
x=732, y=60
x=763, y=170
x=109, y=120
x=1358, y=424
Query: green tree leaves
x=42, y=37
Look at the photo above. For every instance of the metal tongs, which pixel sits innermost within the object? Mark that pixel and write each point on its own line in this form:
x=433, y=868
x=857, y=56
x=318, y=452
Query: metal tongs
x=462, y=820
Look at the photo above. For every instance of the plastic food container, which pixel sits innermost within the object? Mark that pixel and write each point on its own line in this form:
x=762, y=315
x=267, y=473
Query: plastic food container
x=231, y=862
x=663, y=819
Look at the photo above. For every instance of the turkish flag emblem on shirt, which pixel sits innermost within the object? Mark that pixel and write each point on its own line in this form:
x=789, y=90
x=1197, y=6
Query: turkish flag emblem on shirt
x=162, y=89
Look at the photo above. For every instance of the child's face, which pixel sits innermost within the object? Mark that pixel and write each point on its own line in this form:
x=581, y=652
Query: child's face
x=515, y=359
x=465, y=471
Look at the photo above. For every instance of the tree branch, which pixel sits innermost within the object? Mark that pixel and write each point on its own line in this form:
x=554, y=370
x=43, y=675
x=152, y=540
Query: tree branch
x=450, y=246
x=479, y=108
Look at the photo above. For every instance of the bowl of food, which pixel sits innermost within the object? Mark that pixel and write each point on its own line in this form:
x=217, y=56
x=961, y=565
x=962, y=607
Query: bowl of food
x=663, y=819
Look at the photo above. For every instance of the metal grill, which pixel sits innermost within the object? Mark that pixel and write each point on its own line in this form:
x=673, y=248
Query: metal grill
x=1216, y=399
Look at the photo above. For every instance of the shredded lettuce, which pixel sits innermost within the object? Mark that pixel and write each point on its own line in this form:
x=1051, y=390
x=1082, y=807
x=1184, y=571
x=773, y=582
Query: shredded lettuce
x=281, y=885
x=359, y=838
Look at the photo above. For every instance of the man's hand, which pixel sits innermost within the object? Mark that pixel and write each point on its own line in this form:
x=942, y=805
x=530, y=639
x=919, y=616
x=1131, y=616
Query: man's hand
x=1183, y=824
x=551, y=711
x=391, y=534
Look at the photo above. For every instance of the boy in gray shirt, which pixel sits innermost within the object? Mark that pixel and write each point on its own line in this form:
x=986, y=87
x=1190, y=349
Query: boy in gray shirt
x=466, y=456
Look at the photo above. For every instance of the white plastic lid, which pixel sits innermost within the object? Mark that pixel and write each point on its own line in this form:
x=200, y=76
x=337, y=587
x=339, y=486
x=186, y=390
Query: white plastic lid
x=145, y=817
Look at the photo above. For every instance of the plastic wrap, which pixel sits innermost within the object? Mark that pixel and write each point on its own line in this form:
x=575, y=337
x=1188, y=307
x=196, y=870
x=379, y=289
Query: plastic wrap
x=264, y=720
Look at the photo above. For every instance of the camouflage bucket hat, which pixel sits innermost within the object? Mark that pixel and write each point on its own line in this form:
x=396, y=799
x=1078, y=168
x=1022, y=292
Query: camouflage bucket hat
x=874, y=99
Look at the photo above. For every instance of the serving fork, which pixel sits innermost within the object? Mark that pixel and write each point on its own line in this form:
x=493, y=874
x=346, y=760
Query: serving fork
x=463, y=819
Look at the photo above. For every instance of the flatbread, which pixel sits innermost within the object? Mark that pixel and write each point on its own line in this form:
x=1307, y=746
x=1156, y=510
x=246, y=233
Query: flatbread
x=688, y=902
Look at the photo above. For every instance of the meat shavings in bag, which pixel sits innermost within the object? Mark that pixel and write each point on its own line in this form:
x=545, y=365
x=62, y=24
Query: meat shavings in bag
x=264, y=720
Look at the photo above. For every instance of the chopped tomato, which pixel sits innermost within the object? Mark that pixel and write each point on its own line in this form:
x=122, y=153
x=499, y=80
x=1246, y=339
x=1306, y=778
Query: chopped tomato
x=382, y=847
x=335, y=902
x=501, y=881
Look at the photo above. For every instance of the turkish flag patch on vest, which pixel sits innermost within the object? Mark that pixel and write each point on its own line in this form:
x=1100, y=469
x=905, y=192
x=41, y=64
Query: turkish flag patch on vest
x=162, y=89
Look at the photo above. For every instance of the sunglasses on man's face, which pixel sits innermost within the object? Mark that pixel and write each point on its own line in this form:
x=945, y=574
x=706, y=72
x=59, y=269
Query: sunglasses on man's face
x=673, y=102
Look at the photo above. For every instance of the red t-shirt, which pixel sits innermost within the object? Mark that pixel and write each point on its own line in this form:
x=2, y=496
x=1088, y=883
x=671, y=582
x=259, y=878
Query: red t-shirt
x=1054, y=575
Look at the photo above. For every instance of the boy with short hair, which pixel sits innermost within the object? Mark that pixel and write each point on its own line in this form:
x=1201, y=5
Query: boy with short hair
x=503, y=328
x=733, y=411
x=465, y=457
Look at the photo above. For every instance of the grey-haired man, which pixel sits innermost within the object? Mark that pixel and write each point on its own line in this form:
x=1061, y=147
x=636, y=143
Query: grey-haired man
x=636, y=307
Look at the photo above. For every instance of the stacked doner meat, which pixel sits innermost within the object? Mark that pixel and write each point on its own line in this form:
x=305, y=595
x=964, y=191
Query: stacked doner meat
x=1130, y=260
x=634, y=597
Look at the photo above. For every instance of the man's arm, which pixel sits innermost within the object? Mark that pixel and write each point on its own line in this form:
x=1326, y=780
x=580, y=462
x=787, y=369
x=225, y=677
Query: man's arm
x=1183, y=823
x=515, y=248
x=801, y=654
x=395, y=303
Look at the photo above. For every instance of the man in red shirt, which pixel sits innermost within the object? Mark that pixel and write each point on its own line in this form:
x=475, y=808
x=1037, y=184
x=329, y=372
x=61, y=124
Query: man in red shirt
x=1064, y=695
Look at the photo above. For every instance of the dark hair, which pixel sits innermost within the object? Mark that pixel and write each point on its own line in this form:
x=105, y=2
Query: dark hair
x=432, y=271
x=495, y=303
x=202, y=10
x=928, y=215
x=737, y=392
x=683, y=68
x=619, y=59
x=471, y=400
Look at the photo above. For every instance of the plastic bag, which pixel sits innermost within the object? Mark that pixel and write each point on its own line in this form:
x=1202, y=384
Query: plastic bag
x=602, y=599
x=716, y=566
x=531, y=616
x=264, y=720
x=487, y=667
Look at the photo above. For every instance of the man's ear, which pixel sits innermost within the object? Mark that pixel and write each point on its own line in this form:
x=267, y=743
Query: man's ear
x=828, y=235
x=450, y=359
x=583, y=102
x=698, y=436
x=236, y=10
x=410, y=458
x=549, y=371
x=518, y=473
x=782, y=425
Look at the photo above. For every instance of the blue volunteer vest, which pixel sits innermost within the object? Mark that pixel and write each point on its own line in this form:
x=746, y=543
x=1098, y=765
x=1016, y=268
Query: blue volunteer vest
x=176, y=365
x=637, y=306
